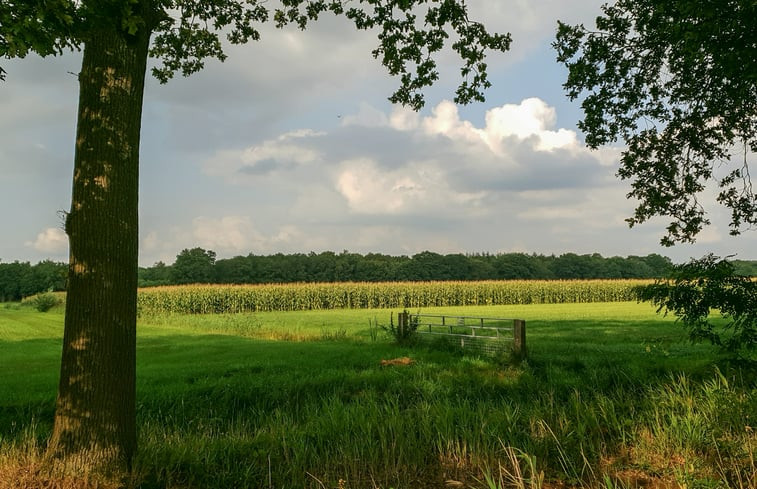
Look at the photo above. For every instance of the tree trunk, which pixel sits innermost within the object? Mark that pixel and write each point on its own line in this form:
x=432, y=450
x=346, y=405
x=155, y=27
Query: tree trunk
x=95, y=416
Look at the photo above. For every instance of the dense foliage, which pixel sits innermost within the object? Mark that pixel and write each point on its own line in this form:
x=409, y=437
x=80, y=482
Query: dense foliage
x=676, y=81
x=745, y=267
x=200, y=266
x=193, y=266
x=697, y=288
x=21, y=279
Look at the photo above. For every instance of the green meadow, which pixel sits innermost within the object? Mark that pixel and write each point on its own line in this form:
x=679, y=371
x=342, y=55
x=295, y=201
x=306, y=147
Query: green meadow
x=611, y=396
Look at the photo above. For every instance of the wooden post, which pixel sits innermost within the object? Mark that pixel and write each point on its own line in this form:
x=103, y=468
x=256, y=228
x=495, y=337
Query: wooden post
x=402, y=320
x=519, y=339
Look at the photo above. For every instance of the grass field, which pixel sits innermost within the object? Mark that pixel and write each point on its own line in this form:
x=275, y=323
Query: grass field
x=610, y=396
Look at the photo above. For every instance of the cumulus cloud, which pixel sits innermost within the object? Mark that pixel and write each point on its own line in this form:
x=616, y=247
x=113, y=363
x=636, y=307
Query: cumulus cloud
x=404, y=119
x=532, y=118
x=51, y=240
x=238, y=235
x=430, y=173
x=417, y=188
x=284, y=153
x=229, y=233
x=445, y=120
x=367, y=116
x=531, y=121
x=397, y=181
x=369, y=190
x=438, y=166
x=227, y=236
x=452, y=164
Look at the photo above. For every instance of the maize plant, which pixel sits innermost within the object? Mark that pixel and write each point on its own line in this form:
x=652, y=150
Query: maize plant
x=214, y=299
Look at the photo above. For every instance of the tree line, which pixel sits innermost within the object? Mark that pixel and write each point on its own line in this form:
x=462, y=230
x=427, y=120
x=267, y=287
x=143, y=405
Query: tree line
x=198, y=265
x=22, y=279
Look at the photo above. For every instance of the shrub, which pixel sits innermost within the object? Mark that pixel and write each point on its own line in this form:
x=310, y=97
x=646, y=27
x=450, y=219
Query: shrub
x=44, y=302
x=407, y=325
x=698, y=287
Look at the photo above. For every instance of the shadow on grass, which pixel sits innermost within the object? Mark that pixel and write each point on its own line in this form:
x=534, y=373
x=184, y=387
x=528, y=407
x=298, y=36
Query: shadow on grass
x=226, y=374
x=225, y=411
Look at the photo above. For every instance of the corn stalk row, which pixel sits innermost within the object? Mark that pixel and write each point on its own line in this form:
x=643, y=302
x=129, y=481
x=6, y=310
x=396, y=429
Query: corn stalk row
x=216, y=299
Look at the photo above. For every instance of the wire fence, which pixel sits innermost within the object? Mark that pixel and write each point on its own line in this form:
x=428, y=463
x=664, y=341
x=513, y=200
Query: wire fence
x=487, y=335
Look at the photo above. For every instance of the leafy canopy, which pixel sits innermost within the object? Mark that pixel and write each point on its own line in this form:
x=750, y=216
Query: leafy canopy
x=696, y=288
x=676, y=80
x=193, y=266
x=187, y=32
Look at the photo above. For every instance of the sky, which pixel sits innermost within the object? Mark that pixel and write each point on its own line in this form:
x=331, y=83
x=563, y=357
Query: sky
x=291, y=146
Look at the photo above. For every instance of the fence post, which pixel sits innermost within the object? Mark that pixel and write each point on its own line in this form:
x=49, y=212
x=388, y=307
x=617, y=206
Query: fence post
x=402, y=322
x=519, y=339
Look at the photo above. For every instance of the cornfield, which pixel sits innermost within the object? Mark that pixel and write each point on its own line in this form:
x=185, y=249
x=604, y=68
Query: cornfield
x=209, y=299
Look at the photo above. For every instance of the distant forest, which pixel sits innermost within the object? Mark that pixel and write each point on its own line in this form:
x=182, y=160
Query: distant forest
x=22, y=279
x=200, y=266
x=197, y=265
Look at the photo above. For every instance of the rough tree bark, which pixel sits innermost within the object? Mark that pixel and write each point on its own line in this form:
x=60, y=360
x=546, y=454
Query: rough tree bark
x=95, y=416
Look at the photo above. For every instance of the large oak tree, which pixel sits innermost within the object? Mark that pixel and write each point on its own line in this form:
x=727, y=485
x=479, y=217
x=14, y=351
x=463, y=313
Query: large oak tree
x=676, y=81
x=95, y=420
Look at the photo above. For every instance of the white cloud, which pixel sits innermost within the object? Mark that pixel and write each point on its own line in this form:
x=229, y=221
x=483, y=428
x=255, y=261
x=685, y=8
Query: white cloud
x=369, y=190
x=416, y=188
x=531, y=120
x=281, y=151
x=150, y=242
x=227, y=234
x=445, y=120
x=51, y=240
x=284, y=153
x=403, y=167
x=403, y=119
x=367, y=116
x=401, y=182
